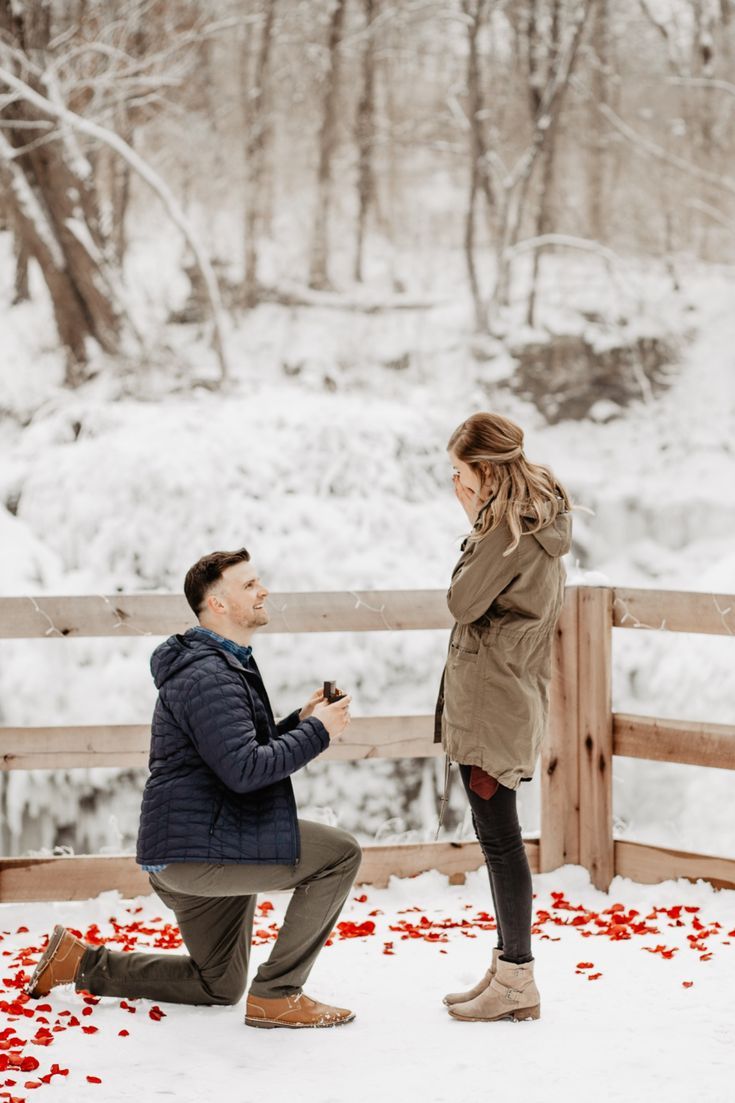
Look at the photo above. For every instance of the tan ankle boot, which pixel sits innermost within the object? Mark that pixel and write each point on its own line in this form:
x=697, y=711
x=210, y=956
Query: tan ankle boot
x=59, y=963
x=464, y=997
x=295, y=1011
x=512, y=994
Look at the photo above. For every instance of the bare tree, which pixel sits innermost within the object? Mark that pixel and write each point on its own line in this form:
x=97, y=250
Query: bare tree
x=515, y=184
x=258, y=123
x=53, y=202
x=547, y=155
x=365, y=135
x=602, y=68
x=43, y=242
x=475, y=14
x=318, y=264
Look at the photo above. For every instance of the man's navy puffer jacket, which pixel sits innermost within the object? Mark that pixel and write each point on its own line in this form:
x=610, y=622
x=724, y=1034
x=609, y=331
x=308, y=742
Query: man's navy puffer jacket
x=219, y=788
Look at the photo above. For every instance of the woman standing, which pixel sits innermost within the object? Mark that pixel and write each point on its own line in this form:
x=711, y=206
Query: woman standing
x=505, y=596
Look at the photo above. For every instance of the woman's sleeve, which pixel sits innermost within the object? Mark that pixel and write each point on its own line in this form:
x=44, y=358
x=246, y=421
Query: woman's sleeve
x=481, y=575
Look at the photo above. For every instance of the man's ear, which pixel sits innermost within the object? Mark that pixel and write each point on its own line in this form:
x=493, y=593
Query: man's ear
x=214, y=602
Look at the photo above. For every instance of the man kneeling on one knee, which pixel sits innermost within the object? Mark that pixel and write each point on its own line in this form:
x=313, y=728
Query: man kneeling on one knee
x=218, y=823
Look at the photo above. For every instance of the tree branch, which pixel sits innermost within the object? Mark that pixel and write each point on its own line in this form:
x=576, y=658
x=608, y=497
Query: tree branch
x=154, y=181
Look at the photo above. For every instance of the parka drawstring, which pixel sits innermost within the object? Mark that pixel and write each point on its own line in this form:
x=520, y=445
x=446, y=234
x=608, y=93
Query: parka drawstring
x=445, y=795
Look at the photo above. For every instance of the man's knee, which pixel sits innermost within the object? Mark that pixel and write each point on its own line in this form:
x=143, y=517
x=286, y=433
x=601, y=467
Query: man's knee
x=225, y=990
x=350, y=851
x=353, y=852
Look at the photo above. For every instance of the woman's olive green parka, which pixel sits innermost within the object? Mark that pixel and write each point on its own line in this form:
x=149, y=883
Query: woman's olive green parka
x=494, y=696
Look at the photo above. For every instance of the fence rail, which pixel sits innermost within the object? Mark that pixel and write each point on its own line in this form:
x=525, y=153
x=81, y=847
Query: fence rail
x=576, y=761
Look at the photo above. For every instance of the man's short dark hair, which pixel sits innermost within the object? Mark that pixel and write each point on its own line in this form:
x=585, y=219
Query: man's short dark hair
x=206, y=571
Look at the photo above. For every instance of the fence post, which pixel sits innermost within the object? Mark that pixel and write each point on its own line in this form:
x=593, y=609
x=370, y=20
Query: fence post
x=559, y=843
x=594, y=673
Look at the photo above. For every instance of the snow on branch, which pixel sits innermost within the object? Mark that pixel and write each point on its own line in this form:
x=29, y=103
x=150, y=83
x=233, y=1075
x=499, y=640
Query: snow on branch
x=149, y=176
x=647, y=145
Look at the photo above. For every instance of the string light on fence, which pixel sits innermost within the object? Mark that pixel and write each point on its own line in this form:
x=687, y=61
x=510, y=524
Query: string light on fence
x=627, y=615
x=122, y=620
x=41, y=612
x=360, y=604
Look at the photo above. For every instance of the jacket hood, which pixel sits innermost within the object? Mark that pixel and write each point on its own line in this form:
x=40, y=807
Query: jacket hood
x=556, y=538
x=178, y=652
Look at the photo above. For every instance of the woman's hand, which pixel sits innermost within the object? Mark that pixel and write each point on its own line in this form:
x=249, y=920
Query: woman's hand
x=316, y=699
x=467, y=498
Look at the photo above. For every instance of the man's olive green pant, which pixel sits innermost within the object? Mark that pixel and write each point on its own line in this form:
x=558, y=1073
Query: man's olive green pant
x=214, y=907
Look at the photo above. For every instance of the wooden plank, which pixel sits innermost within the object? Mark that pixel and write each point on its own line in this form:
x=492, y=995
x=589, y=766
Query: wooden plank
x=127, y=745
x=560, y=750
x=81, y=877
x=650, y=864
x=76, y=878
x=675, y=611
x=151, y=614
x=156, y=614
x=594, y=671
x=685, y=741
x=65, y=748
x=386, y=737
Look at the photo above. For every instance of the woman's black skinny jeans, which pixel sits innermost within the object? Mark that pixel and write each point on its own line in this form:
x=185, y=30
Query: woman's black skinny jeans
x=499, y=833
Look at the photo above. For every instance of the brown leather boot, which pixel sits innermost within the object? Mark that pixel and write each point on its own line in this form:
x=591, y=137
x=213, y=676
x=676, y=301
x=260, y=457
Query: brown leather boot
x=464, y=997
x=59, y=963
x=512, y=994
x=296, y=1012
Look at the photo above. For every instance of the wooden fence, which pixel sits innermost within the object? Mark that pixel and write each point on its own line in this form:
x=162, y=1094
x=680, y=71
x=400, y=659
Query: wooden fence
x=576, y=763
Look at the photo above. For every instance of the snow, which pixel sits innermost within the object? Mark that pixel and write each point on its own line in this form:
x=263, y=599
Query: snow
x=325, y=456
x=633, y=1033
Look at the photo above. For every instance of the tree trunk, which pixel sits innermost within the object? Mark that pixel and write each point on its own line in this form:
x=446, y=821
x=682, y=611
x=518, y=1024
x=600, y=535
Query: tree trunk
x=50, y=189
x=21, y=289
x=598, y=162
x=120, y=179
x=318, y=267
x=474, y=13
x=365, y=137
x=543, y=213
x=39, y=239
x=258, y=124
x=517, y=184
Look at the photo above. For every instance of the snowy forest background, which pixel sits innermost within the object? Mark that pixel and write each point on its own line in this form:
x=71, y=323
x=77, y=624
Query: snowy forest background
x=259, y=258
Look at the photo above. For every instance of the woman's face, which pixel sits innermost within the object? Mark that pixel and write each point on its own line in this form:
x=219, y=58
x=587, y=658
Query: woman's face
x=467, y=477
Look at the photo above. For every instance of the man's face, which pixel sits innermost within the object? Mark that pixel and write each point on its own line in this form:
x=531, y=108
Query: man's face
x=240, y=594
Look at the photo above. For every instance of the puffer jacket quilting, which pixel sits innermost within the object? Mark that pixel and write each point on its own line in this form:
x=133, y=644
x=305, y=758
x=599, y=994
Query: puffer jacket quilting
x=219, y=789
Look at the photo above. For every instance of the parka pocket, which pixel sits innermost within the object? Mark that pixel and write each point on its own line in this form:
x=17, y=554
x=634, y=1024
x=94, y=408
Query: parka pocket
x=462, y=686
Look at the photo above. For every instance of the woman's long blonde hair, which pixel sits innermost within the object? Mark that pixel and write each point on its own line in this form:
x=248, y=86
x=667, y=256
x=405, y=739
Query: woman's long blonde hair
x=492, y=445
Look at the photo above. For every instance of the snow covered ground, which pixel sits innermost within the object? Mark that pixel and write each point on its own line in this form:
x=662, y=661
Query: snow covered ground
x=636, y=988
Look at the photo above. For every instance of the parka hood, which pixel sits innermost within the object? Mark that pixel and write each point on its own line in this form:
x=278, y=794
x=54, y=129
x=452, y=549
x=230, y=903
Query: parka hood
x=556, y=538
x=178, y=652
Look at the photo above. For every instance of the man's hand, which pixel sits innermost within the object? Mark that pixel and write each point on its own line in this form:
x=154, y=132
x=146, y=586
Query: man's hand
x=469, y=501
x=316, y=698
x=335, y=717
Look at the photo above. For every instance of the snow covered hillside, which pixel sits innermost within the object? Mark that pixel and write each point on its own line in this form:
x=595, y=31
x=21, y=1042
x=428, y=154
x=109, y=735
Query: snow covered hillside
x=325, y=457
